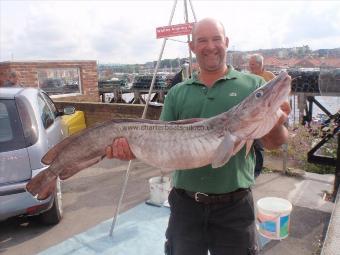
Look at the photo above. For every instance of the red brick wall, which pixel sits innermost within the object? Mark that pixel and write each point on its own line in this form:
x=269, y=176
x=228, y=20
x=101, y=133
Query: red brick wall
x=4, y=69
x=28, y=75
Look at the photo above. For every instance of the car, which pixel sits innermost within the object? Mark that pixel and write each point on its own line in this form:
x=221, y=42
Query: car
x=30, y=125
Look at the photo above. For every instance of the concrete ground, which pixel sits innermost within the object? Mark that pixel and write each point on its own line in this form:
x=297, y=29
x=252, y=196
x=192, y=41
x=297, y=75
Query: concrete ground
x=89, y=198
x=310, y=214
x=90, y=195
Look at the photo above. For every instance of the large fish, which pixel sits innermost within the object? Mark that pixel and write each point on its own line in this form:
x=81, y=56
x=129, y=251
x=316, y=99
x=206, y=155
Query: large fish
x=183, y=144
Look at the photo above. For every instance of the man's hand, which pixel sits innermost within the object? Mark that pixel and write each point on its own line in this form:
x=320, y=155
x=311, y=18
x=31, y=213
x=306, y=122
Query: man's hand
x=119, y=149
x=286, y=109
x=279, y=134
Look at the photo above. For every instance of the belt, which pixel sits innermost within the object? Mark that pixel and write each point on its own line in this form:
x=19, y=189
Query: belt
x=217, y=198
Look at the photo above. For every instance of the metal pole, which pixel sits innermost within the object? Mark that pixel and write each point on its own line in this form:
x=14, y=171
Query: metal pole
x=120, y=198
x=285, y=147
x=188, y=36
x=192, y=9
x=285, y=158
x=143, y=117
x=158, y=63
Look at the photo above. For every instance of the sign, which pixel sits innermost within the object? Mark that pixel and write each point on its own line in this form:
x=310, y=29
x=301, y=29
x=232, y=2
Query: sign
x=174, y=30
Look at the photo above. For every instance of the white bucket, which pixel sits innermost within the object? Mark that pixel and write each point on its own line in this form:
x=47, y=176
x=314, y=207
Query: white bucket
x=159, y=189
x=273, y=217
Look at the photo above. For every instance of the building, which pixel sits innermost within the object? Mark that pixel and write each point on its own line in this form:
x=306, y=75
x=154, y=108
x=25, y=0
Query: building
x=77, y=79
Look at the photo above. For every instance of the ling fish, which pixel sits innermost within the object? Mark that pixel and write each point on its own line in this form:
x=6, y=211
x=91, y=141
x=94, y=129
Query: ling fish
x=183, y=144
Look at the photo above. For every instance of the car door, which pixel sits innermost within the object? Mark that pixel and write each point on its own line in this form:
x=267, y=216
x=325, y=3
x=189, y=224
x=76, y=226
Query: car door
x=50, y=120
x=58, y=119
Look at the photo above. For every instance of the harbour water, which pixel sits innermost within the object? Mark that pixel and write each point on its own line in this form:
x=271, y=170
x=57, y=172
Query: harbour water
x=332, y=104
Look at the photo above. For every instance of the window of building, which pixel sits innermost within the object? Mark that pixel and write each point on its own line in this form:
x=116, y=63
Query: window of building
x=59, y=81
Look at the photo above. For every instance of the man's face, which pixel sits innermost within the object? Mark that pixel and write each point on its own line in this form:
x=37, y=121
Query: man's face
x=254, y=66
x=209, y=44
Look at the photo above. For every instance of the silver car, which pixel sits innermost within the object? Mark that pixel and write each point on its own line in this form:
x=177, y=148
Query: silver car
x=30, y=125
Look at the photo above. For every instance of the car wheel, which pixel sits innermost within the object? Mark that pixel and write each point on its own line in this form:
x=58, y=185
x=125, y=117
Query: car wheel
x=55, y=213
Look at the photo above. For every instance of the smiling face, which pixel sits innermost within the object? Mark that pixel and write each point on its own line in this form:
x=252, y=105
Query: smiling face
x=209, y=44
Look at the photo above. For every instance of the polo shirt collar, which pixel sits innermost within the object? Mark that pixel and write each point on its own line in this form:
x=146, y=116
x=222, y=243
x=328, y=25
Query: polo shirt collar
x=230, y=75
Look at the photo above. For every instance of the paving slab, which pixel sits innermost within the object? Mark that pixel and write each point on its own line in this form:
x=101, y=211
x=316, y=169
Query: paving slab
x=310, y=215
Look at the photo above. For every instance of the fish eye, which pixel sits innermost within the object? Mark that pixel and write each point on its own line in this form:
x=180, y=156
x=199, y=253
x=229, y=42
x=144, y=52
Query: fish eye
x=259, y=94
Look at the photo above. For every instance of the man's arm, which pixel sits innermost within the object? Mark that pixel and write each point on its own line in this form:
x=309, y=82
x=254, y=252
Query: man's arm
x=279, y=133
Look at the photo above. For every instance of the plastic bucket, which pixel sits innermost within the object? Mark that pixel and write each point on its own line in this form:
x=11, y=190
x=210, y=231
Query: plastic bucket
x=273, y=217
x=159, y=189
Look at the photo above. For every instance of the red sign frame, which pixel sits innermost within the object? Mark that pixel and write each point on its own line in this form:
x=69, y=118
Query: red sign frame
x=174, y=30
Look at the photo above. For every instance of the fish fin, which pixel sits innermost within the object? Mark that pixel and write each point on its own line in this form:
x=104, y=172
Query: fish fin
x=186, y=121
x=78, y=166
x=47, y=191
x=50, y=156
x=40, y=182
x=238, y=146
x=249, y=144
x=224, y=151
x=165, y=171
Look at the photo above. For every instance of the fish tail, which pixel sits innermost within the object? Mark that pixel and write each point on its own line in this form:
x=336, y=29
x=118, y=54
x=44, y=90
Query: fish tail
x=40, y=182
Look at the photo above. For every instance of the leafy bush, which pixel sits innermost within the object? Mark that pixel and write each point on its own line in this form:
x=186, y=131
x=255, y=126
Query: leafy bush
x=302, y=139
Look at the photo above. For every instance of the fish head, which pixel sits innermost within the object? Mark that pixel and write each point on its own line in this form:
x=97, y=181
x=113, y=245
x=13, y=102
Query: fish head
x=275, y=92
x=256, y=115
x=268, y=98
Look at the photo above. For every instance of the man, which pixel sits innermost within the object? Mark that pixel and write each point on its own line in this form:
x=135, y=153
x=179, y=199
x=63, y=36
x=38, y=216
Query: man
x=256, y=67
x=221, y=220
x=12, y=80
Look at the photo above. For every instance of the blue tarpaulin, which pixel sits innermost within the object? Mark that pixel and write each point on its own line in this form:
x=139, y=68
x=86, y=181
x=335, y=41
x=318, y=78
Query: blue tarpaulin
x=140, y=230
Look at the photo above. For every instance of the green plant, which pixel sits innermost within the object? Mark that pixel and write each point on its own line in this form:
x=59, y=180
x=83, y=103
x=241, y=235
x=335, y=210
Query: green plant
x=302, y=139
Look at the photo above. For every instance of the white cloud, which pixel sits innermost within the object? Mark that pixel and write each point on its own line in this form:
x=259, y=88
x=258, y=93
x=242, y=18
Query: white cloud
x=124, y=31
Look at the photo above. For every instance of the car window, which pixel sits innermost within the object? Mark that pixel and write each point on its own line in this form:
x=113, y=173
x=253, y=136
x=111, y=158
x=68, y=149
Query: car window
x=47, y=116
x=28, y=120
x=50, y=104
x=11, y=133
x=6, y=133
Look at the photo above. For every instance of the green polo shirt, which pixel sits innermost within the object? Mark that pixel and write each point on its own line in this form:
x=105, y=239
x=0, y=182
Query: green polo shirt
x=192, y=99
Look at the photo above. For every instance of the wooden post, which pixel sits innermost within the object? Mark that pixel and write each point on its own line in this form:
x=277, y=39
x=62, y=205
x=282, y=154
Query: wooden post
x=161, y=96
x=115, y=95
x=301, y=106
x=337, y=170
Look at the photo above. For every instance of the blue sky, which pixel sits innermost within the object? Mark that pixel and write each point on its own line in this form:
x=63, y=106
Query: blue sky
x=124, y=31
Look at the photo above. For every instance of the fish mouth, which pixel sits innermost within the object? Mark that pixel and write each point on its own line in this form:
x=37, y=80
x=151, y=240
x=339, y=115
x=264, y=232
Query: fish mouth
x=278, y=91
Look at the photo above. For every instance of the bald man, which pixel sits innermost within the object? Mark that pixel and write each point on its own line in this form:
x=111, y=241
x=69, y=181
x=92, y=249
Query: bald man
x=211, y=209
